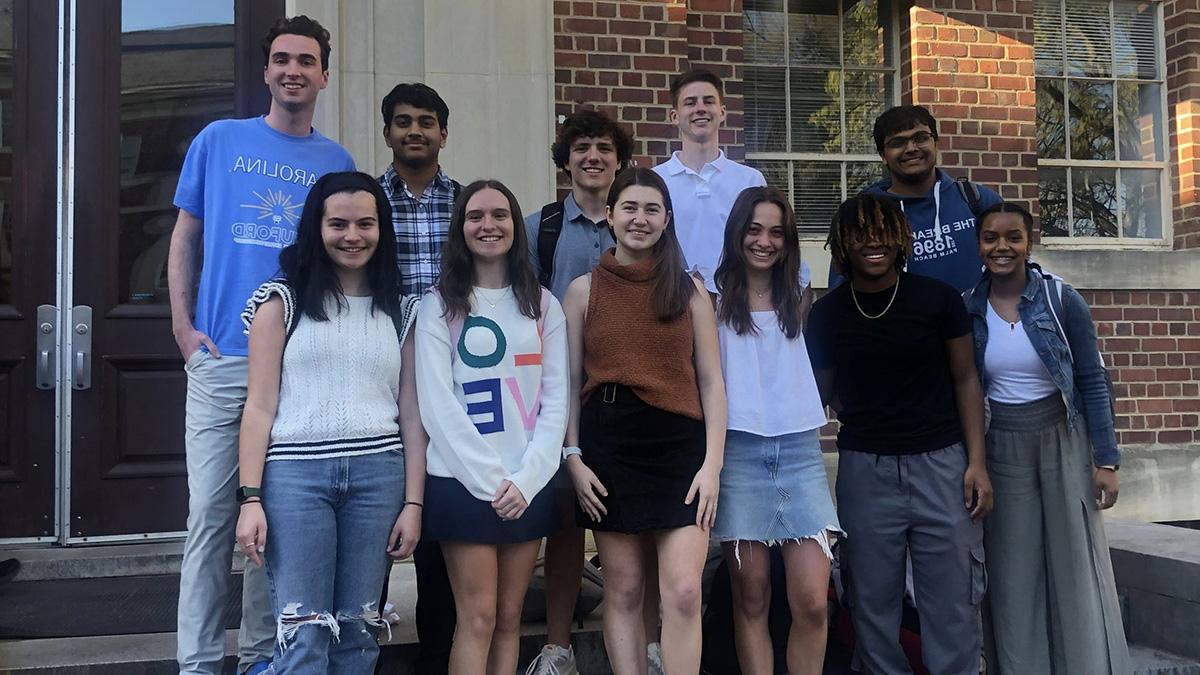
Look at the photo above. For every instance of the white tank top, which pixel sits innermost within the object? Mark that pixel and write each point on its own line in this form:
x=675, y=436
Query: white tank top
x=1015, y=372
x=769, y=380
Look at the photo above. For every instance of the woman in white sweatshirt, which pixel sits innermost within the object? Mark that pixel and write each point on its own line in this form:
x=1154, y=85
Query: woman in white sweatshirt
x=492, y=382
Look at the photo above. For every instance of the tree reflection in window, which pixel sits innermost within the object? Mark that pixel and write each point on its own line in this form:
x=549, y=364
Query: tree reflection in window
x=1100, y=131
x=818, y=73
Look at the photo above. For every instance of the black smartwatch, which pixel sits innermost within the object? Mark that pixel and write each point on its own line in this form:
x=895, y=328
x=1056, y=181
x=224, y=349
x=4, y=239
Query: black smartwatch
x=244, y=493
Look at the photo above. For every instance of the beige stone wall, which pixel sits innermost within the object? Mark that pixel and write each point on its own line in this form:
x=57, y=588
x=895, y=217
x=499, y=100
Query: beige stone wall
x=491, y=60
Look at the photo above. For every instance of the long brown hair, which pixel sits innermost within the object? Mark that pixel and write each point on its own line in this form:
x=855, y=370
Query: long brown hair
x=731, y=276
x=672, y=288
x=458, y=265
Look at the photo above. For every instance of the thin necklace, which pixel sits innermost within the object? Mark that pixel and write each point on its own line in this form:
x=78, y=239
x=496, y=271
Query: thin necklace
x=489, y=302
x=895, y=289
x=760, y=294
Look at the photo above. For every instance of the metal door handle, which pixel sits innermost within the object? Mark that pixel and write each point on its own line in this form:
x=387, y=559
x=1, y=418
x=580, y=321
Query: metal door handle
x=47, y=346
x=81, y=345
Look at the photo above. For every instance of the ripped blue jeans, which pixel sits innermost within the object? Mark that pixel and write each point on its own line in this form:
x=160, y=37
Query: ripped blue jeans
x=328, y=522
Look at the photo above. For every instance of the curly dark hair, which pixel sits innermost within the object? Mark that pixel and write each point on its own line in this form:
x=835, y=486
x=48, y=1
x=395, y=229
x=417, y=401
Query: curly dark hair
x=867, y=217
x=298, y=25
x=590, y=124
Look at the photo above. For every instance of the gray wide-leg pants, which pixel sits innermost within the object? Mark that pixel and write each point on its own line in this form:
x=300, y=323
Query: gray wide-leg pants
x=1053, y=604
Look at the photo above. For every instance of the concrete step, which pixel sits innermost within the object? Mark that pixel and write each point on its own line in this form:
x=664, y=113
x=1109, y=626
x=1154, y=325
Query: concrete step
x=1150, y=661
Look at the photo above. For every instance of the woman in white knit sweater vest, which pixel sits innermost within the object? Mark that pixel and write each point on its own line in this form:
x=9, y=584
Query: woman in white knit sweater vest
x=492, y=381
x=331, y=390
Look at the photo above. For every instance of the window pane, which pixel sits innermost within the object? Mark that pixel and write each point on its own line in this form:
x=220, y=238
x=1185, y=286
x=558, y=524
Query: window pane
x=1051, y=127
x=1141, y=215
x=868, y=34
x=816, y=119
x=1135, y=34
x=867, y=95
x=818, y=193
x=1139, y=113
x=1052, y=201
x=177, y=64
x=1088, y=41
x=762, y=31
x=7, y=105
x=1094, y=202
x=766, y=115
x=1047, y=37
x=859, y=175
x=813, y=32
x=776, y=172
x=1091, y=107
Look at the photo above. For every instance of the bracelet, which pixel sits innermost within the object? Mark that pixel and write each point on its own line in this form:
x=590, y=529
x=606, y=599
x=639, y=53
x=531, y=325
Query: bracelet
x=417, y=504
x=569, y=450
x=251, y=500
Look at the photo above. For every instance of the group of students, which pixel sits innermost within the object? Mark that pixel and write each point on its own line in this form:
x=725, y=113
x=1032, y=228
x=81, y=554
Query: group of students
x=419, y=369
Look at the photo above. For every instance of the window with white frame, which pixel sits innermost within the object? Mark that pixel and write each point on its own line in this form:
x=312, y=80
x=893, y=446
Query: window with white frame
x=817, y=73
x=1101, y=137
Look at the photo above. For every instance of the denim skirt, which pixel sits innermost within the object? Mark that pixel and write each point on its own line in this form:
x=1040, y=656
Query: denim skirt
x=452, y=513
x=774, y=489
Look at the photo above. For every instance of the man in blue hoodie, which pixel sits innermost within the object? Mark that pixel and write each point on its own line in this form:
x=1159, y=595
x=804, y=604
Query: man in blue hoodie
x=941, y=217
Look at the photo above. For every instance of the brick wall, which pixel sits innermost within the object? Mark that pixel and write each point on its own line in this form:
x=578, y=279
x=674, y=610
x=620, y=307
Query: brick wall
x=1151, y=343
x=973, y=68
x=620, y=57
x=1182, y=21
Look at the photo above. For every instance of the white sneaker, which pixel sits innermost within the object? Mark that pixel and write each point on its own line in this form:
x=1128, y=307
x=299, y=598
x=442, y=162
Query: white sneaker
x=654, y=659
x=554, y=660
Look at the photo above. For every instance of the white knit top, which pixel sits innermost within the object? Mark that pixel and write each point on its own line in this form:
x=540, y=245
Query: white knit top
x=339, y=385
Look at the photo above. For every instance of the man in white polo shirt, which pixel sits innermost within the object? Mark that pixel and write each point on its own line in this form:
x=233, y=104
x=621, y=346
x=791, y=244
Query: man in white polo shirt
x=703, y=182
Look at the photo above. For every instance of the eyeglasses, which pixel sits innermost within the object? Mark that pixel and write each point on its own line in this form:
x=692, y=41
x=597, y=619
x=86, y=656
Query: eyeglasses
x=901, y=142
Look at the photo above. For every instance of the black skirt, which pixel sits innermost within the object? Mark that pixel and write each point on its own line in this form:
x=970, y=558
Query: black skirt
x=645, y=457
x=452, y=513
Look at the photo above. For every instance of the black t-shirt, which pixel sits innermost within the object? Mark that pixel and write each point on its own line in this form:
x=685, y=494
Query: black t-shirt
x=892, y=374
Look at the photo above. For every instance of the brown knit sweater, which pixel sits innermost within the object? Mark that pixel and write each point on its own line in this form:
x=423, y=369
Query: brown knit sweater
x=625, y=343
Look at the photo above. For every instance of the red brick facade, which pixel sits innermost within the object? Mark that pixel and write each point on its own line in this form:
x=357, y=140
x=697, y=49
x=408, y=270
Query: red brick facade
x=972, y=63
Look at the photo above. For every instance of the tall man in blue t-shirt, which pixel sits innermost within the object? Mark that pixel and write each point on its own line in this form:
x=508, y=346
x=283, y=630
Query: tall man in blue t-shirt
x=240, y=195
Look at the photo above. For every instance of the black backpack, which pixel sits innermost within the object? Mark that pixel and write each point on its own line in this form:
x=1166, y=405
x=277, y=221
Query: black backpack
x=549, y=228
x=970, y=194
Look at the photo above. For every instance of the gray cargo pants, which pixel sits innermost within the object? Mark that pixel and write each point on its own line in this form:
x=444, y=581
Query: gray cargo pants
x=893, y=505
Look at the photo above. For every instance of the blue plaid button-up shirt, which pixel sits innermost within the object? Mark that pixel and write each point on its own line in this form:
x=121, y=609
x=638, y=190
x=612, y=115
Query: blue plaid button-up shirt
x=421, y=225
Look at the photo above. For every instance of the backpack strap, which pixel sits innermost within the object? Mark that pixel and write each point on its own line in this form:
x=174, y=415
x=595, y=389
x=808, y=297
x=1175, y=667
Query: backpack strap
x=1054, y=293
x=549, y=228
x=970, y=193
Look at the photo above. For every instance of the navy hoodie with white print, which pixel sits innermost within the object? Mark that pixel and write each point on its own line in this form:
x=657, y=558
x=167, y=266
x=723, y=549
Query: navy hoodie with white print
x=944, y=243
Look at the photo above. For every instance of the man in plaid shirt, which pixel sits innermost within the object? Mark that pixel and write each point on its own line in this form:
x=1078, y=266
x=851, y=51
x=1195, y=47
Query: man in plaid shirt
x=422, y=197
x=421, y=194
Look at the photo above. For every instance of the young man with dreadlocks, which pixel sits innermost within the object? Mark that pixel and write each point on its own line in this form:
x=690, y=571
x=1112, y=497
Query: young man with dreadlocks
x=893, y=355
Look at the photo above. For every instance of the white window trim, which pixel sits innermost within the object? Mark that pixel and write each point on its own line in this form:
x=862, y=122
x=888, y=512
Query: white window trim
x=1120, y=242
x=841, y=159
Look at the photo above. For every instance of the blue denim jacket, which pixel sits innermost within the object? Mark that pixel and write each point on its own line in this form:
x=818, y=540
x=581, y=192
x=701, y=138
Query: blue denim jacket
x=1081, y=383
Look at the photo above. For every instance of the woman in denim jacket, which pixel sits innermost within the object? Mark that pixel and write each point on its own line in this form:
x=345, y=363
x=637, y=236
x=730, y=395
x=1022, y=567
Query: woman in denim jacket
x=1052, y=456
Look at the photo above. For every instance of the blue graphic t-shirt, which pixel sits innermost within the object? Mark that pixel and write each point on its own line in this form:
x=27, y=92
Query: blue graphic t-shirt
x=247, y=182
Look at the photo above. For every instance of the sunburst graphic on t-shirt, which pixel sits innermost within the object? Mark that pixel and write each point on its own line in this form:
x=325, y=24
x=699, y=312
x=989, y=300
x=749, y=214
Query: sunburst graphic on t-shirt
x=277, y=206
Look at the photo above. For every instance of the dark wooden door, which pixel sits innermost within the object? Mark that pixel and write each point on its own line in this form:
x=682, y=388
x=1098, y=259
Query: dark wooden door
x=150, y=77
x=28, y=240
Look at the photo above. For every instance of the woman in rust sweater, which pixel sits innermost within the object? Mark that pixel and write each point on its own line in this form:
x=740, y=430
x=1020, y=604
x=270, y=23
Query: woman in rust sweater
x=646, y=434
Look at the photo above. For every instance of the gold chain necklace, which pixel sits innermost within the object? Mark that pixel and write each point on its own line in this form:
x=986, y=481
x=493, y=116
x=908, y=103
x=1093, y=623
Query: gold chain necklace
x=895, y=289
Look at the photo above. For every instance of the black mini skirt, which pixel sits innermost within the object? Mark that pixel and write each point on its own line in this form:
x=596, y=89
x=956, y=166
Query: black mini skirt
x=644, y=456
x=452, y=513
